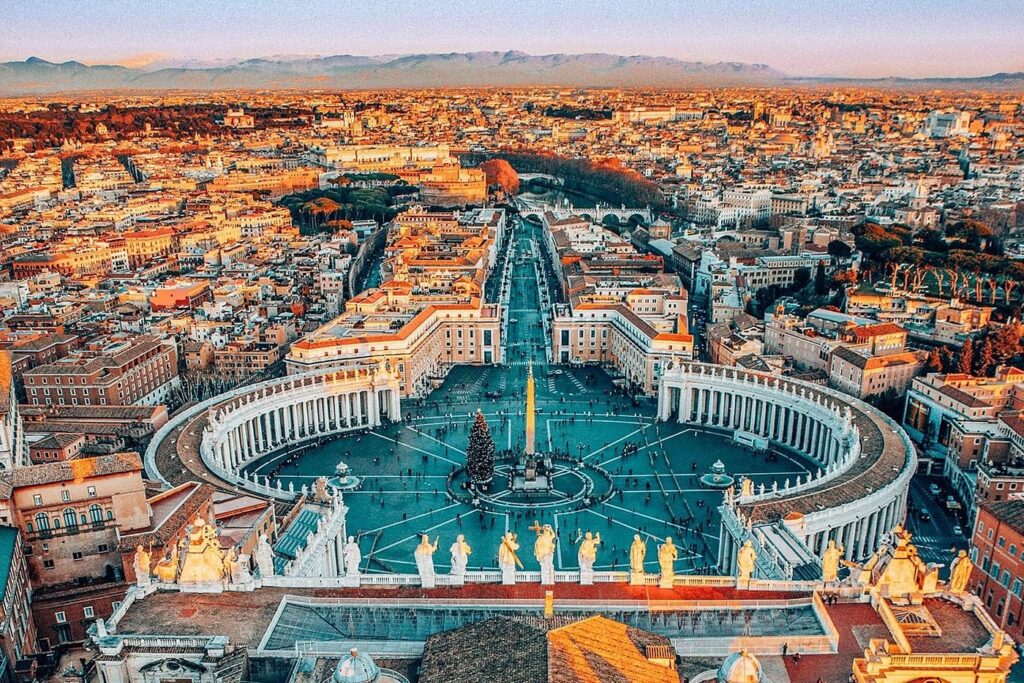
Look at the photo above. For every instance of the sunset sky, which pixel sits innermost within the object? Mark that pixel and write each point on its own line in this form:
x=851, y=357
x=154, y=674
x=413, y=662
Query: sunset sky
x=800, y=37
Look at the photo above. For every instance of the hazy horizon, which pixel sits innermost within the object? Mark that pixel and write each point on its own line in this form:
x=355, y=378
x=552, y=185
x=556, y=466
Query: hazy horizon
x=846, y=38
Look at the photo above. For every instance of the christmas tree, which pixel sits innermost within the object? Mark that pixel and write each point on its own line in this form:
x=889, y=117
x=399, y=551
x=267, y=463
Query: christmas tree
x=480, y=454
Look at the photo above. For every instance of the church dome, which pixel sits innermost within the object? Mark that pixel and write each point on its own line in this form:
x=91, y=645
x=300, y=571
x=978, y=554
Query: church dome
x=741, y=667
x=356, y=667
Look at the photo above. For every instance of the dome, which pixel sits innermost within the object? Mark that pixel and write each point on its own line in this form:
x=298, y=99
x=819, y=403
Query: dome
x=356, y=668
x=740, y=667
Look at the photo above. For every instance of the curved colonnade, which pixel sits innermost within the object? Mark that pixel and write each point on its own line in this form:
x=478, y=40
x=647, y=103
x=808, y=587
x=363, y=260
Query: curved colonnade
x=255, y=421
x=858, y=493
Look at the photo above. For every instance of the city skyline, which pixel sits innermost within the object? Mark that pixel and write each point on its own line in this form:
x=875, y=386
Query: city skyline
x=917, y=39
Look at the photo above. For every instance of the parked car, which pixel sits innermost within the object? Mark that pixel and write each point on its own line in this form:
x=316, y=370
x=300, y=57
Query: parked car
x=934, y=488
x=924, y=515
x=957, y=531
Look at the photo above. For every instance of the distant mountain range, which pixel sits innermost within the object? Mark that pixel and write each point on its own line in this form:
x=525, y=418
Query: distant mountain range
x=470, y=69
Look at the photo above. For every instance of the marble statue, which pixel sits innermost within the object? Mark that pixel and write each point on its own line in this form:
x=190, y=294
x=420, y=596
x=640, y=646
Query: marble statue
x=424, y=556
x=321, y=494
x=667, y=555
x=460, y=555
x=544, y=551
x=960, y=573
x=637, y=554
x=745, y=559
x=141, y=566
x=230, y=565
x=167, y=569
x=586, y=556
x=507, y=558
x=353, y=556
x=264, y=556
x=830, y=562
x=203, y=561
x=240, y=571
x=747, y=487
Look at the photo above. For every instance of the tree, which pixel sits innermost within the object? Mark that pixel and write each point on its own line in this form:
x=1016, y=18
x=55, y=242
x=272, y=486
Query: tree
x=820, y=283
x=800, y=278
x=839, y=249
x=499, y=172
x=1005, y=342
x=946, y=355
x=480, y=454
x=966, y=361
x=985, y=358
x=934, y=363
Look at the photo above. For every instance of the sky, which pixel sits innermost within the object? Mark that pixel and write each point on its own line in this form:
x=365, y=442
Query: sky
x=861, y=38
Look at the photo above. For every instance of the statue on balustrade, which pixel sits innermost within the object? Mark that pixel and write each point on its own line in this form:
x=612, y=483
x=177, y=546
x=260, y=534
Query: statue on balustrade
x=230, y=566
x=507, y=558
x=637, y=555
x=586, y=556
x=544, y=551
x=203, y=560
x=460, y=551
x=747, y=487
x=353, y=556
x=424, y=556
x=320, y=492
x=142, y=566
x=960, y=573
x=746, y=561
x=264, y=556
x=240, y=571
x=830, y=562
x=667, y=556
x=166, y=570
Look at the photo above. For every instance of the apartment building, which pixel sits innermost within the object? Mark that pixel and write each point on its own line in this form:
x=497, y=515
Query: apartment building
x=141, y=370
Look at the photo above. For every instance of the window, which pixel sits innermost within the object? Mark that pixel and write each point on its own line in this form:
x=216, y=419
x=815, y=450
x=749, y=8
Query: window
x=91, y=490
x=115, y=605
x=60, y=617
x=76, y=556
x=88, y=612
x=65, y=495
x=47, y=564
x=102, y=548
x=96, y=515
x=37, y=500
x=70, y=519
x=42, y=522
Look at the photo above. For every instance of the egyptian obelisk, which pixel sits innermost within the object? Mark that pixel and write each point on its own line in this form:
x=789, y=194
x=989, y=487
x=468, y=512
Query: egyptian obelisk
x=531, y=426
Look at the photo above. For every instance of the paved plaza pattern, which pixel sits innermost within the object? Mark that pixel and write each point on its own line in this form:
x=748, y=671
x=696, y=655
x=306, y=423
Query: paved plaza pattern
x=644, y=473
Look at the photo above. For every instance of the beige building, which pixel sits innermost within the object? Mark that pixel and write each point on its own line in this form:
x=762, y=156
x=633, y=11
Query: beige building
x=861, y=375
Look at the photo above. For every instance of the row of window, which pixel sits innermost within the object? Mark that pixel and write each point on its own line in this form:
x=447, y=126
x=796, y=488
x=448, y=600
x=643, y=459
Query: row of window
x=70, y=519
x=65, y=495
